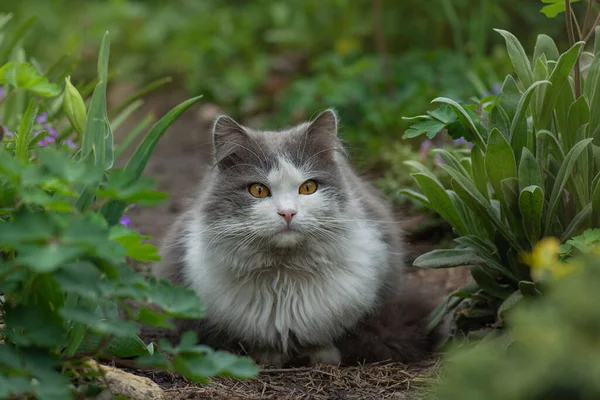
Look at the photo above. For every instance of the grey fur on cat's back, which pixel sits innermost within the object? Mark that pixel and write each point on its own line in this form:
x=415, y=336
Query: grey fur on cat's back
x=304, y=287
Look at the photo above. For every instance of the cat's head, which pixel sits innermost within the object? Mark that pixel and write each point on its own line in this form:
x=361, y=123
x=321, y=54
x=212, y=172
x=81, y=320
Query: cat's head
x=278, y=188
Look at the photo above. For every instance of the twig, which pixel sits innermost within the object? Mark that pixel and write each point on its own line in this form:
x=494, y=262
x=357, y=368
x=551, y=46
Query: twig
x=282, y=370
x=591, y=32
x=587, y=16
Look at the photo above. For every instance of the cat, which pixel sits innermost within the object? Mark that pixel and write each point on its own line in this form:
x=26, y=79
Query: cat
x=295, y=257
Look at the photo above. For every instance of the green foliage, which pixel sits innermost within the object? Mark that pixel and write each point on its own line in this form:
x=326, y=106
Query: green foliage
x=549, y=351
x=533, y=172
x=68, y=291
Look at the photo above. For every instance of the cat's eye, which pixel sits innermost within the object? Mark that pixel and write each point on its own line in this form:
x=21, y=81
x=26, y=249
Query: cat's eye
x=259, y=190
x=308, y=187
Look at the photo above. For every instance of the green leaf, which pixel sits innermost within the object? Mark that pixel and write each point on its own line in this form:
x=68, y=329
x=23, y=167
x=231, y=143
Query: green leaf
x=509, y=303
x=579, y=115
x=518, y=57
x=26, y=226
x=24, y=133
x=545, y=45
x=430, y=128
x=469, y=193
x=24, y=76
x=16, y=37
x=556, y=7
x=499, y=162
x=528, y=288
x=46, y=258
x=98, y=137
x=33, y=326
x=478, y=169
x=176, y=301
x=578, y=224
x=561, y=179
x=558, y=78
x=531, y=206
x=448, y=258
x=489, y=283
x=440, y=202
x=114, y=209
x=132, y=242
x=529, y=171
x=465, y=118
x=120, y=347
x=415, y=196
x=521, y=110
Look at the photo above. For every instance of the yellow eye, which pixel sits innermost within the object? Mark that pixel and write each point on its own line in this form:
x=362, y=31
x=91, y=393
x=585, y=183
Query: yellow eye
x=258, y=190
x=308, y=187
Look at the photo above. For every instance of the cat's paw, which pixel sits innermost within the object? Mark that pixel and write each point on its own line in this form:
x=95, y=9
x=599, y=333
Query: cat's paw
x=326, y=355
x=269, y=359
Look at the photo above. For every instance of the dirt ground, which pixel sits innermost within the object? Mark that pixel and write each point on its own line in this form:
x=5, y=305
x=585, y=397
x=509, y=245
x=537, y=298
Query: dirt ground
x=177, y=164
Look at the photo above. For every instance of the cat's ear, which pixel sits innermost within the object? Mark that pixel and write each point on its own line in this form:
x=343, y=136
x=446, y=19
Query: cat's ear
x=325, y=123
x=228, y=138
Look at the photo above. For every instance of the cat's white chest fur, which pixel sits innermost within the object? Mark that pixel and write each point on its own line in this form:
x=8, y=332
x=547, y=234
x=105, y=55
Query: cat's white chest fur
x=308, y=299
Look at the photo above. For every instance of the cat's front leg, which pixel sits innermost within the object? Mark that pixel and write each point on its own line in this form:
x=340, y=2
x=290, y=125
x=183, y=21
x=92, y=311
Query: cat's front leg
x=326, y=355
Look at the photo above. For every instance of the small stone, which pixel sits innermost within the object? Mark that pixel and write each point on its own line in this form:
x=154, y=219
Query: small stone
x=128, y=385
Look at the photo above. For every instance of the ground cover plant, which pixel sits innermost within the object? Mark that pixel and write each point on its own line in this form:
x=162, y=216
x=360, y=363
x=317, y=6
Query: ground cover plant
x=68, y=294
x=533, y=171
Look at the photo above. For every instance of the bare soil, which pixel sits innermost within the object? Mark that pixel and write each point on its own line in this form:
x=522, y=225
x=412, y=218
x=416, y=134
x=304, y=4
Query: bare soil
x=177, y=164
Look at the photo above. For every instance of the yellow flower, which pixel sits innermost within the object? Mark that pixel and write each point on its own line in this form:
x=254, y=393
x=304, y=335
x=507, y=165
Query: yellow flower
x=543, y=260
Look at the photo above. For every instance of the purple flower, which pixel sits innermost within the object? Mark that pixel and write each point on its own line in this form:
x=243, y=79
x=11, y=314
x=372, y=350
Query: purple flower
x=49, y=139
x=2, y=93
x=70, y=143
x=42, y=118
x=125, y=221
x=51, y=131
x=438, y=160
x=460, y=141
x=7, y=132
x=42, y=143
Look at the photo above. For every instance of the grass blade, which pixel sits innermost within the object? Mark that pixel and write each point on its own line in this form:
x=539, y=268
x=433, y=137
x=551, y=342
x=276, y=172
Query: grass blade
x=24, y=133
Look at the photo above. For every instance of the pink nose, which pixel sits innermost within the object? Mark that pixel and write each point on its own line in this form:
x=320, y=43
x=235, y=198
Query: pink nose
x=287, y=215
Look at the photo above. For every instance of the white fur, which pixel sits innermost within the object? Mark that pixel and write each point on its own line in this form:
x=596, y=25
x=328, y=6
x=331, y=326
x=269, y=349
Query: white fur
x=262, y=297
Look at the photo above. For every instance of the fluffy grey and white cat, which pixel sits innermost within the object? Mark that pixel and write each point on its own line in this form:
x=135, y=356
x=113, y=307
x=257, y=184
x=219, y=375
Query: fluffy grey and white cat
x=293, y=255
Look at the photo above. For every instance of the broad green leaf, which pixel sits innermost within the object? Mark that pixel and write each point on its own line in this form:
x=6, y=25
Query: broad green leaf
x=447, y=258
x=511, y=95
x=428, y=127
x=98, y=137
x=521, y=111
x=16, y=37
x=24, y=133
x=24, y=76
x=551, y=143
x=114, y=209
x=47, y=258
x=478, y=169
x=499, y=120
x=465, y=118
x=529, y=171
x=518, y=57
x=415, y=196
x=531, y=206
x=558, y=78
x=528, y=288
x=450, y=159
x=499, y=162
x=545, y=45
x=443, y=114
x=579, y=115
x=561, y=179
x=540, y=73
x=27, y=227
x=440, y=202
x=420, y=168
x=555, y=7
x=488, y=282
x=510, y=193
x=578, y=224
x=469, y=193
x=509, y=303
x=120, y=347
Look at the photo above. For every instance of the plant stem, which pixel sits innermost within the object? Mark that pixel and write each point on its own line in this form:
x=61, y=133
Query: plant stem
x=587, y=16
x=591, y=32
x=571, y=34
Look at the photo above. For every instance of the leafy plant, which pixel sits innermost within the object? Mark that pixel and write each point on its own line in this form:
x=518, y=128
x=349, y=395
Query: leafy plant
x=68, y=294
x=534, y=171
x=549, y=351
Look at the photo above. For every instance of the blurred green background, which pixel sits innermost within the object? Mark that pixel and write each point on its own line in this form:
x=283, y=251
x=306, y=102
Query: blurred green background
x=278, y=62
